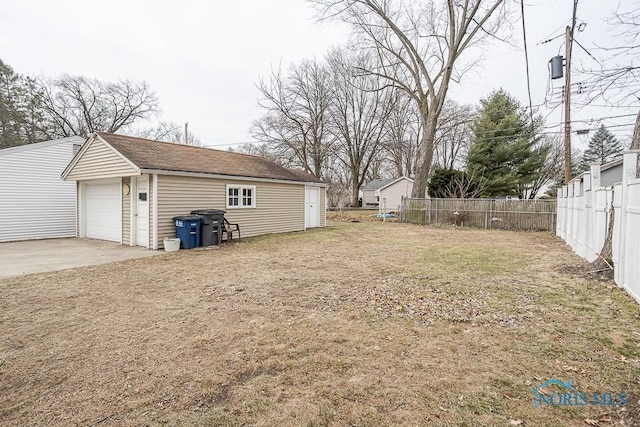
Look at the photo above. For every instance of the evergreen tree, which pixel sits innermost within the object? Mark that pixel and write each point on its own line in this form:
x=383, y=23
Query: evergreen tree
x=11, y=119
x=505, y=152
x=21, y=113
x=603, y=148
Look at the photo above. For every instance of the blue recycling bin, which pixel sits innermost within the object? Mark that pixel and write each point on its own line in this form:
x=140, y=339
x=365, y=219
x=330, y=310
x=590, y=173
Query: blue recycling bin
x=188, y=230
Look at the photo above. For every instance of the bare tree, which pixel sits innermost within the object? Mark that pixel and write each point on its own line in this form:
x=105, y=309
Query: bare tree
x=466, y=186
x=403, y=136
x=453, y=135
x=296, y=115
x=614, y=82
x=339, y=180
x=76, y=105
x=263, y=150
x=359, y=115
x=553, y=150
x=170, y=132
x=419, y=47
x=379, y=167
x=627, y=24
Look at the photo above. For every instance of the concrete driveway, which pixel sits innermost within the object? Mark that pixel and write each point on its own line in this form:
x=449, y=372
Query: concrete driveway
x=38, y=256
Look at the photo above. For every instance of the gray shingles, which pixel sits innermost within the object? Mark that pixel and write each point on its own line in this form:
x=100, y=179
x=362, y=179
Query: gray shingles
x=377, y=184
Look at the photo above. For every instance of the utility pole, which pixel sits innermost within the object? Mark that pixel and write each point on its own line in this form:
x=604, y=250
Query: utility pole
x=567, y=96
x=567, y=109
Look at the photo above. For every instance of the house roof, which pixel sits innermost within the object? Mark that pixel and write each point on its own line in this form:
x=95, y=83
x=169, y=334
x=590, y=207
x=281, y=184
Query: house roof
x=70, y=139
x=394, y=181
x=611, y=164
x=157, y=155
x=377, y=184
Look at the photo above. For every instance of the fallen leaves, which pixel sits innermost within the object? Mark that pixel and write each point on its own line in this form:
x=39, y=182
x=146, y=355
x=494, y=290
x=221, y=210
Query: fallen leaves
x=604, y=418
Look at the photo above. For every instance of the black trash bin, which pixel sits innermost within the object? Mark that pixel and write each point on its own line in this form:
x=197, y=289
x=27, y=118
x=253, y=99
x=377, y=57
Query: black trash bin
x=211, y=233
x=188, y=230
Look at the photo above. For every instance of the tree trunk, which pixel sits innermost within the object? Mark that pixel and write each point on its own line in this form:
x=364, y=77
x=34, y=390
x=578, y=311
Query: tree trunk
x=423, y=167
x=607, y=248
x=635, y=141
x=605, y=260
x=354, y=193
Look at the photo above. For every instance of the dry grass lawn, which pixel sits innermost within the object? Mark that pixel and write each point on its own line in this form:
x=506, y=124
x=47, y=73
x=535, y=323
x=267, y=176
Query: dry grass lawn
x=360, y=324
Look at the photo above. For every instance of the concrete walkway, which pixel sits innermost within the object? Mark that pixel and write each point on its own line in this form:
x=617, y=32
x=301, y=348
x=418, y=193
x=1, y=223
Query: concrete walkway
x=38, y=256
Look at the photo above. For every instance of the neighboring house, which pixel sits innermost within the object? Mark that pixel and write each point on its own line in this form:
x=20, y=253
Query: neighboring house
x=34, y=202
x=129, y=189
x=369, y=196
x=611, y=173
x=387, y=193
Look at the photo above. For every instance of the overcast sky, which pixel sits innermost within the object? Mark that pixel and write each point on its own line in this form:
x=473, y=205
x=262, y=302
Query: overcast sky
x=203, y=58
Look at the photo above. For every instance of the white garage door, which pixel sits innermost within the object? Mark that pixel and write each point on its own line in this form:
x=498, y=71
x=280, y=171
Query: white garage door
x=102, y=211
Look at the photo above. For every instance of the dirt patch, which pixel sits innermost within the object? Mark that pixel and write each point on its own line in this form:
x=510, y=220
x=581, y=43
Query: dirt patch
x=586, y=270
x=364, y=323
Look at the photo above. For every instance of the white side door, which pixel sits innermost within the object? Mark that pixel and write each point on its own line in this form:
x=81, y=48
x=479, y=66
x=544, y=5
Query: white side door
x=142, y=212
x=312, y=207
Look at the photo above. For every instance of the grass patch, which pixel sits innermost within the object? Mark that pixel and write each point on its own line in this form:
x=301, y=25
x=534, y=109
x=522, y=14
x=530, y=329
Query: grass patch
x=362, y=323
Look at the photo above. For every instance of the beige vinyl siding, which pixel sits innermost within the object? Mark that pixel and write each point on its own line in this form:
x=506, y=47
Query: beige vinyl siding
x=279, y=207
x=77, y=208
x=150, y=214
x=126, y=214
x=323, y=207
x=100, y=161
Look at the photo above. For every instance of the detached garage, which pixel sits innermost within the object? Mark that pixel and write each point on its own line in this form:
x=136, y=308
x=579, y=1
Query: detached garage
x=129, y=189
x=34, y=202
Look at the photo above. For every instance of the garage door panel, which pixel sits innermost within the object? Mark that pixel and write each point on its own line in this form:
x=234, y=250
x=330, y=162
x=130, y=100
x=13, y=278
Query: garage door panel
x=102, y=211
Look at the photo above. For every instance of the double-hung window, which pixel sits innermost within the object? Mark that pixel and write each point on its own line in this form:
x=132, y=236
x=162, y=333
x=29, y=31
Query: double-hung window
x=241, y=196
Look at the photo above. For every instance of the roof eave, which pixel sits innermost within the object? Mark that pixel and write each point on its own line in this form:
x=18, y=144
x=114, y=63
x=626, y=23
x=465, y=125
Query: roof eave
x=394, y=181
x=234, y=177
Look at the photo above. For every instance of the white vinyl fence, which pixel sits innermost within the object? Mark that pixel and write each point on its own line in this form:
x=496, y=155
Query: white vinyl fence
x=583, y=215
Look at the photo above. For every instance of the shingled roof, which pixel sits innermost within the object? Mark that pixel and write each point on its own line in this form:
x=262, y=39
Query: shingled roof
x=158, y=155
x=377, y=184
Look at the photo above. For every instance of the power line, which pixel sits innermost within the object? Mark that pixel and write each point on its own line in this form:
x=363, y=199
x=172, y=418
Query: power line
x=551, y=36
x=526, y=59
x=501, y=137
x=546, y=126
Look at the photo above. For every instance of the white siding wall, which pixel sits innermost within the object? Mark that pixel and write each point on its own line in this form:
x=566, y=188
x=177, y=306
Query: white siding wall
x=394, y=194
x=368, y=197
x=34, y=201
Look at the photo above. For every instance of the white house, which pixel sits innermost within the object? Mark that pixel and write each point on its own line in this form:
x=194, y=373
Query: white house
x=35, y=203
x=387, y=194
